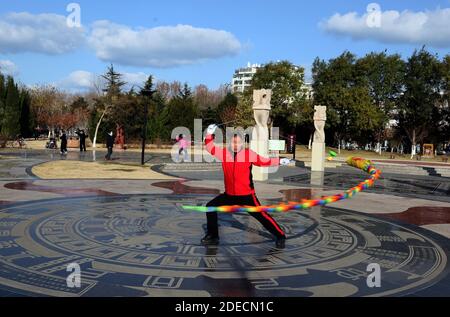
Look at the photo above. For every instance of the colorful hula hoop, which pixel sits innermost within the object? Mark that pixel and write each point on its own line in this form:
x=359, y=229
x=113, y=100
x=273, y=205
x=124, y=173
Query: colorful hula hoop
x=357, y=162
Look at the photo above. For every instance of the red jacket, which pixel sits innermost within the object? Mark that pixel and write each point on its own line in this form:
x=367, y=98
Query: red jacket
x=237, y=167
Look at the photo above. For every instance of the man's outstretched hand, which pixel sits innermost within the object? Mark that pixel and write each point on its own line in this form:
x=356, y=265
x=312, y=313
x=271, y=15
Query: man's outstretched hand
x=211, y=129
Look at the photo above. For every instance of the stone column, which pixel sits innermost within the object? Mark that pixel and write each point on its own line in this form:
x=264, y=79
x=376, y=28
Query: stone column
x=318, y=147
x=260, y=134
x=317, y=181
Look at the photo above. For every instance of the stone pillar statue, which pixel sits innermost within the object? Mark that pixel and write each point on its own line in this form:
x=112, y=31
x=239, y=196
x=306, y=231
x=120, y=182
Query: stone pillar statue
x=318, y=148
x=260, y=133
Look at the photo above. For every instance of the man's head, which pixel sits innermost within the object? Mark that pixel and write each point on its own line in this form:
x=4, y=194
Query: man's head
x=237, y=143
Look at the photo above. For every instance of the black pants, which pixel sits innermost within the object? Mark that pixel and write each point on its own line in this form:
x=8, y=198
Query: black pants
x=108, y=155
x=184, y=152
x=82, y=146
x=251, y=200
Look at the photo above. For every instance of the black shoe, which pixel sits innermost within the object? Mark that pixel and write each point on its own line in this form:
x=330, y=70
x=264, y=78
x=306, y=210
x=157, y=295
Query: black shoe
x=210, y=240
x=280, y=243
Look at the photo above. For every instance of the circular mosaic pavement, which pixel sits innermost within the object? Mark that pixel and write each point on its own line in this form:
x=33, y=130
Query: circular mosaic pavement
x=145, y=245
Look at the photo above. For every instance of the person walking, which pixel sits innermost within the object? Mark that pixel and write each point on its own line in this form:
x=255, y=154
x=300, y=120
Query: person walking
x=109, y=145
x=63, y=139
x=82, y=137
x=182, y=148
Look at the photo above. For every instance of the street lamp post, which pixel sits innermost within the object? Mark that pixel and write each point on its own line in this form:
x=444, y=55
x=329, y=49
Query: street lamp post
x=147, y=93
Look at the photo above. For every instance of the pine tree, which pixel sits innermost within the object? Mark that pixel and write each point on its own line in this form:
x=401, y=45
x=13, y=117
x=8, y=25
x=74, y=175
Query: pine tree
x=2, y=87
x=186, y=93
x=25, y=115
x=148, y=86
x=114, y=82
x=11, y=117
x=158, y=119
x=2, y=99
x=182, y=109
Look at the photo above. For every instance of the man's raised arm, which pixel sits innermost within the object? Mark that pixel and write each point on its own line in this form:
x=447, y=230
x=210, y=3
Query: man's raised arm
x=212, y=149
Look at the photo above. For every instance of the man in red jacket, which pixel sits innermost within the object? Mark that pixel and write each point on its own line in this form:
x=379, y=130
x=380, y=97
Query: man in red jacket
x=237, y=163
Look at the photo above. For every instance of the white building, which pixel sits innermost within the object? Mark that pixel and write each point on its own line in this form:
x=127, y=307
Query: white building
x=243, y=76
x=242, y=79
x=309, y=90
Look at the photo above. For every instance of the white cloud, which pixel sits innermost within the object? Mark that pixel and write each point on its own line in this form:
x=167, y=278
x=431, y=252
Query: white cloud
x=8, y=67
x=135, y=78
x=41, y=33
x=163, y=46
x=423, y=27
x=78, y=80
x=81, y=80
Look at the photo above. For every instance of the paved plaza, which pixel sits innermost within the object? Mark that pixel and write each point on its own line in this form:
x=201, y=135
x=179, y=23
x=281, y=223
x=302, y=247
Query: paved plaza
x=131, y=237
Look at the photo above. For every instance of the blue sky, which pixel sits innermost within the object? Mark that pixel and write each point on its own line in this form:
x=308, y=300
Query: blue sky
x=223, y=35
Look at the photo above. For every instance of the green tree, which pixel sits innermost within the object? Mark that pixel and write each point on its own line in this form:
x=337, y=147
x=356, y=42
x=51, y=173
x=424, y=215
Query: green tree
x=2, y=99
x=209, y=115
x=338, y=84
x=11, y=113
x=182, y=110
x=109, y=106
x=148, y=85
x=445, y=89
x=289, y=104
x=157, y=118
x=226, y=110
x=114, y=83
x=146, y=100
x=26, y=120
x=157, y=126
x=444, y=108
x=127, y=112
x=79, y=103
x=383, y=75
x=244, y=112
x=423, y=79
x=2, y=87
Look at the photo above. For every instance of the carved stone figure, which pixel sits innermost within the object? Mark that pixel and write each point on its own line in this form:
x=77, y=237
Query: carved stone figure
x=261, y=111
x=260, y=133
x=320, y=116
x=318, y=148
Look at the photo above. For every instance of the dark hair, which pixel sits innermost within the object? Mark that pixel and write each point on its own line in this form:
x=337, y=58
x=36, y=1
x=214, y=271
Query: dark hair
x=238, y=135
x=180, y=136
